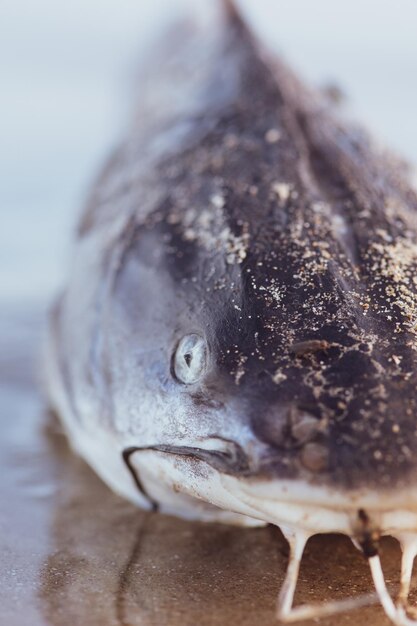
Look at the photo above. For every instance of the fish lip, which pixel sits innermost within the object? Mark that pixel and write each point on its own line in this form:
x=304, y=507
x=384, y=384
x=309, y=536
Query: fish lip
x=224, y=455
x=228, y=459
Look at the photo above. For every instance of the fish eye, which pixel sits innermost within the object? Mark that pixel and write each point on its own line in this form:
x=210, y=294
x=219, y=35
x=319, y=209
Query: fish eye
x=189, y=360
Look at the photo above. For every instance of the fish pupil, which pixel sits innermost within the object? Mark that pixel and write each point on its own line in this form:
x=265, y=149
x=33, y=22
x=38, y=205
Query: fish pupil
x=188, y=358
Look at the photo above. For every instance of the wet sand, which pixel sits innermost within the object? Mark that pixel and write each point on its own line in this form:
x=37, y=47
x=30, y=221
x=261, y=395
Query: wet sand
x=74, y=553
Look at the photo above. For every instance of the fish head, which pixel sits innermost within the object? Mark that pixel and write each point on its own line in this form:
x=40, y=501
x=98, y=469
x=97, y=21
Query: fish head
x=259, y=317
x=265, y=308
x=262, y=329
x=252, y=333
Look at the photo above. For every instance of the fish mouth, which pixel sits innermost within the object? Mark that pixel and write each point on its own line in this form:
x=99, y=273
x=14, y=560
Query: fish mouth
x=227, y=458
x=284, y=502
x=222, y=455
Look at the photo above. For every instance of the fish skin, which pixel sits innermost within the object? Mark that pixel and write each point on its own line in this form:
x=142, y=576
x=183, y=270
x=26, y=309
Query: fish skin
x=251, y=215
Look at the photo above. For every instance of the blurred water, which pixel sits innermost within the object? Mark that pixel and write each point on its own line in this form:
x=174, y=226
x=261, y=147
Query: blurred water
x=66, y=70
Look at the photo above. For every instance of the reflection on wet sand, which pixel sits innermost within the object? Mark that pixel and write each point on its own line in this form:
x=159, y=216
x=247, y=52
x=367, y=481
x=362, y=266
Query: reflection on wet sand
x=75, y=554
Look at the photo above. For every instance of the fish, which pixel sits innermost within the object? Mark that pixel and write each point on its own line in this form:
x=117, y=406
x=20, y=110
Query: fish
x=237, y=337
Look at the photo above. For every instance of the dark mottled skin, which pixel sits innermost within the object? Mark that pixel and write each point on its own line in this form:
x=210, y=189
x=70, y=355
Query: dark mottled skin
x=296, y=251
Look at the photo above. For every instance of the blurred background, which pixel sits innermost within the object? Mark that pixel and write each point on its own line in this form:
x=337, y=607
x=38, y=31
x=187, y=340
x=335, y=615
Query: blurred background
x=67, y=71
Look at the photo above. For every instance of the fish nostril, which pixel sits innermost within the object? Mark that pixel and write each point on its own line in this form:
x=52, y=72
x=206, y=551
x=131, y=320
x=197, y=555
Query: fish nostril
x=304, y=426
x=314, y=457
x=289, y=427
x=311, y=346
x=293, y=429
